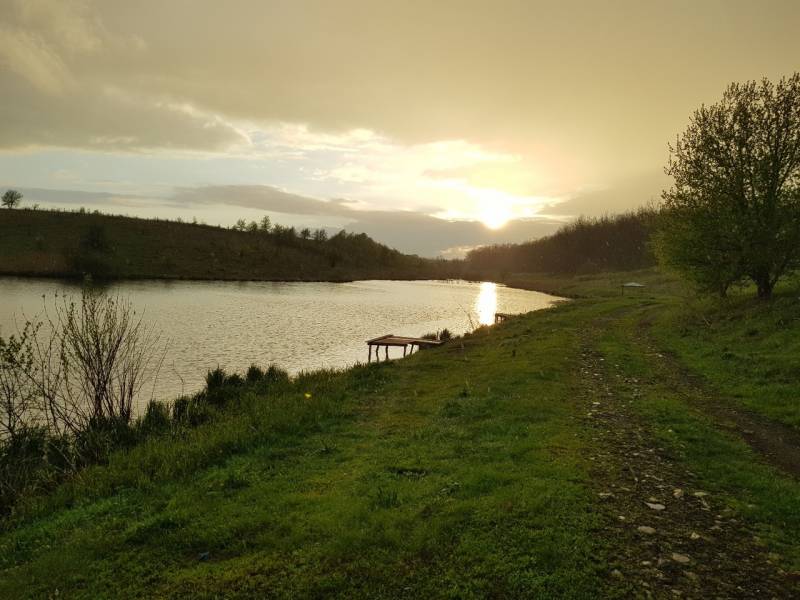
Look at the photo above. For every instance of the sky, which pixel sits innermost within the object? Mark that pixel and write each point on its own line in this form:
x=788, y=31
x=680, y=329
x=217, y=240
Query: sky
x=432, y=126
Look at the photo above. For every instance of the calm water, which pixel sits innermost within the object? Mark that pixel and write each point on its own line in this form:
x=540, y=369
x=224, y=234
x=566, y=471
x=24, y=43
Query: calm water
x=298, y=326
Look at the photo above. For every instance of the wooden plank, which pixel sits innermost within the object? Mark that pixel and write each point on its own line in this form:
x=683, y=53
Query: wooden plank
x=383, y=337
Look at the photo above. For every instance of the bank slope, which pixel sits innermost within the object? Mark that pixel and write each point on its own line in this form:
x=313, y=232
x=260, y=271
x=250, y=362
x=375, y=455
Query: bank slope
x=53, y=243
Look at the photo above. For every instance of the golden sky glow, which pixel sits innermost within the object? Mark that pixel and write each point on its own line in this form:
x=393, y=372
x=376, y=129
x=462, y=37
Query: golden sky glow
x=516, y=115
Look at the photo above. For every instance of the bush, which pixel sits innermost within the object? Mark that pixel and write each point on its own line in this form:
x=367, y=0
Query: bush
x=254, y=374
x=215, y=379
x=180, y=407
x=156, y=418
x=276, y=375
x=102, y=436
x=234, y=380
x=192, y=411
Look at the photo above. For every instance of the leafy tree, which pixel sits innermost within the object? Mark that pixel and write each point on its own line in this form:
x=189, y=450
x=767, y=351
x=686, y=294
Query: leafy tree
x=11, y=198
x=320, y=235
x=252, y=226
x=733, y=212
x=240, y=225
x=305, y=233
x=265, y=224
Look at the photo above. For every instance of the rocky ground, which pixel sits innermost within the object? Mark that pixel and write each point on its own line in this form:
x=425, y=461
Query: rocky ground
x=675, y=538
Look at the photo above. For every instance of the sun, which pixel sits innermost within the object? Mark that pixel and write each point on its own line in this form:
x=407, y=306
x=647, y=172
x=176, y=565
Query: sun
x=493, y=207
x=495, y=216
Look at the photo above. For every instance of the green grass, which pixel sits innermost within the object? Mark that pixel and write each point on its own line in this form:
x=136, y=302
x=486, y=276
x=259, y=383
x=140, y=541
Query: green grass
x=453, y=473
x=459, y=472
x=726, y=465
x=746, y=349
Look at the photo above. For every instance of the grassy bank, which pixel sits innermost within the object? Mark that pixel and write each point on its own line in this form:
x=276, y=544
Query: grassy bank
x=72, y=244
x=519, y=461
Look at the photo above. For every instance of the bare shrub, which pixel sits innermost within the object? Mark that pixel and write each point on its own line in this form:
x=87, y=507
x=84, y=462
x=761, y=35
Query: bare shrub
x=86, y=362
x=17, y=394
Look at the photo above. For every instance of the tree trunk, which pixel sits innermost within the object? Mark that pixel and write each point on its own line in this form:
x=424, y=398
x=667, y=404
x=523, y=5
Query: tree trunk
x=764, y=288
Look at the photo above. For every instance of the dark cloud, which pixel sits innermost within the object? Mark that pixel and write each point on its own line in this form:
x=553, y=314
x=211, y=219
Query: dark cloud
x=261, y=197
x=606, y=84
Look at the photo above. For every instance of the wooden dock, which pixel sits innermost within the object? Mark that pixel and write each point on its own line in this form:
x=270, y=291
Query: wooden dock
x=390, y=339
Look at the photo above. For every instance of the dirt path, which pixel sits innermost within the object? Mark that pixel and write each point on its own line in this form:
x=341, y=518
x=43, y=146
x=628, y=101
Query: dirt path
x=776, y=443
x=673, y=538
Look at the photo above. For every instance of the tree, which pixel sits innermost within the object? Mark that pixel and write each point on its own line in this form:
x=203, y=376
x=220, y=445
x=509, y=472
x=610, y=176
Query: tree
x=733, y=212
x=305, y=233
x=266, y=224
x=320, y=235
x=11, y=198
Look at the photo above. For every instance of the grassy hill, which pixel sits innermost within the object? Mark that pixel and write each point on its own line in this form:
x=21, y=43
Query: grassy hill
x=52, y=243
x=627, y=446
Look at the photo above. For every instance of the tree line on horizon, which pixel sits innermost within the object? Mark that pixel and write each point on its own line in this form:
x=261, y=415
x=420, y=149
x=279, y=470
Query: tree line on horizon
x=586, y=245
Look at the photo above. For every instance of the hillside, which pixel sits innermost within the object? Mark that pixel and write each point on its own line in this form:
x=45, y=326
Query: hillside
x=586, y=245
x=52, y=243
x=626, y=446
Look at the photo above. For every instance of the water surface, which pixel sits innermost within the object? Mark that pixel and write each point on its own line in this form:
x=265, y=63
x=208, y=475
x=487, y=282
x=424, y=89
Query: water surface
x=298, y=326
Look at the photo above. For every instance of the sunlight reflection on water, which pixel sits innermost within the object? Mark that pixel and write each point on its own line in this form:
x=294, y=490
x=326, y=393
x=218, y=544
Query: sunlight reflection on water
x=298, y=326
x=486, y=303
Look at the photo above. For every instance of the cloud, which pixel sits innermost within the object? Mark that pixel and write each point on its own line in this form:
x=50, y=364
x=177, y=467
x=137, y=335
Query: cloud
x=58, y=63
x=590, y=85
x=260, y=197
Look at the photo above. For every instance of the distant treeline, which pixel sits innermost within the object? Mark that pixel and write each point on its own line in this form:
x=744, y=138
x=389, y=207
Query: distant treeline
x=74, y=244
x=587, y=245
x=79, y=243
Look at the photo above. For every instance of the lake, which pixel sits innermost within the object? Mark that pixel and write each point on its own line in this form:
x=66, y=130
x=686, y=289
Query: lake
x=298, y=326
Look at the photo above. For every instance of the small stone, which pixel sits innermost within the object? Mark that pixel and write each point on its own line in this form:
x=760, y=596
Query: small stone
x=646, y=563
x=678, y=493
x=655, y=505
x=616, y=573
x=694, y=535
x=621, y=517
x=605, y=495
x=692, y=575
x=680, y=558
x=700, y=494
x=645, y=529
